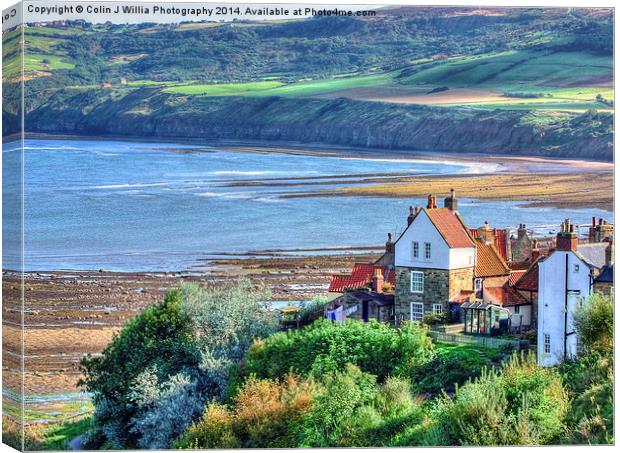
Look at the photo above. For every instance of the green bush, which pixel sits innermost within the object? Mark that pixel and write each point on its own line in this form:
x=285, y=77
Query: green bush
x=589, y=380
x=157, y=375
x=325, y=347
x=594, y=323
x=522, y=404
x=447, y=371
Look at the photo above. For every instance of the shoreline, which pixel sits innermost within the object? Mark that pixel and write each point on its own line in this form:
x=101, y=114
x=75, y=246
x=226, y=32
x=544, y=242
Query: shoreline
x=513, y=162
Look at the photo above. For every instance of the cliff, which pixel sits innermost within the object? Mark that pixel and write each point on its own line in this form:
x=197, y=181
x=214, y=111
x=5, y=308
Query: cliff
x=152, y=113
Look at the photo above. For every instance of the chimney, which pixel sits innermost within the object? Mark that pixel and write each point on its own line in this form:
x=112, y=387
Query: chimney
x=412, y=215
x=377, y=280
x=432, y=202
x=450, y=202
x=567, y=237
x=486, y=233
x=609, y=253
x=592, y=236
x=389, y=245
x=522, y=231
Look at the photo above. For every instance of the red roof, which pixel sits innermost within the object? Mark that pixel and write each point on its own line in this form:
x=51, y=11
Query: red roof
x=506, y=296
x=529, y=280
x=450, y=227
x=499, y=236
x=515, y=276
x=361, y=277
x=488, y=261
x=463, y=296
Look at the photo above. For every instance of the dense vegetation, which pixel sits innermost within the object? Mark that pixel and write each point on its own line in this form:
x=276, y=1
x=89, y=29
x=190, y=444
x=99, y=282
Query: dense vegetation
x=223, y=379
x=168, y=362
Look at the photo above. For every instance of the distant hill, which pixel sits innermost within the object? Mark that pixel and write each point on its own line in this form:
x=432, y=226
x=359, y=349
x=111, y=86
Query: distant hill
x=541, y=63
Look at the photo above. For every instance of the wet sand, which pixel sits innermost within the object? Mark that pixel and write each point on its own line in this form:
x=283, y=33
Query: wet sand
x=571, y=190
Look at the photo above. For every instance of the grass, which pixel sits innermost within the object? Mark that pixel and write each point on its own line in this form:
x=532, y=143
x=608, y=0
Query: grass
x=512, y=69
x=43, y=437
x=224, y=89
x=42, y=62
x=58, y=436
x=316, y=87
x=446, y=349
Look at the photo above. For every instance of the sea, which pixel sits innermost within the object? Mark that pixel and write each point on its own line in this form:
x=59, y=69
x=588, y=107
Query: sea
x=132, y=206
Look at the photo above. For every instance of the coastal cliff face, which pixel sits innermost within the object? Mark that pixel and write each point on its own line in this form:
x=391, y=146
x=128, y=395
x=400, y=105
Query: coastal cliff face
x=152, y=113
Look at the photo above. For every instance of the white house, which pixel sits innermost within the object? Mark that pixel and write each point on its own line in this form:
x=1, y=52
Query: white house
x=434, y=261
x=565, y=280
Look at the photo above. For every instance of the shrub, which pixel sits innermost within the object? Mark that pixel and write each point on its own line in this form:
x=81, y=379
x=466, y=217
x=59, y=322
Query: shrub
x=594, y=323
x=447, y=371
x=325, y=347
x=169, y=361
x=214, y=430
x=589, y=380
x=522, y=404
x=339, y=410
x=265, y=414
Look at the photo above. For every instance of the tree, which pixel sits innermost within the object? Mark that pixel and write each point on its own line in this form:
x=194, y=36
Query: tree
x=171, y=360
x=594, y=323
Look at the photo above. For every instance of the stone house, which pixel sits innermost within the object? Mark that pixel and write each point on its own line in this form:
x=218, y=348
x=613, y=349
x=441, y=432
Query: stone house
x=434, y=261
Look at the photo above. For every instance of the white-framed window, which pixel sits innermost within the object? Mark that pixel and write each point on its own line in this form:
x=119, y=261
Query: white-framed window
x=437, y=309
x=478, y=284
x=547, y=343
x=417, y=282
x=417, y=311
x=427, y=250
x=415, y=249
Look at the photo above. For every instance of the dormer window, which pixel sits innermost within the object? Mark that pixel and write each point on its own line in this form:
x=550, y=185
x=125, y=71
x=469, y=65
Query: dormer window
x=415, y=249
x=427, y=250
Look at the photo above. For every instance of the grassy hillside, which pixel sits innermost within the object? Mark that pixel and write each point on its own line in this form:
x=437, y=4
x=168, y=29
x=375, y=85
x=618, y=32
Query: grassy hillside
x=557, y=62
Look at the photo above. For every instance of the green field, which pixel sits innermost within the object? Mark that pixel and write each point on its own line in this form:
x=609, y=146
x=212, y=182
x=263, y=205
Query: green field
x=224, y=89
x=513, y=70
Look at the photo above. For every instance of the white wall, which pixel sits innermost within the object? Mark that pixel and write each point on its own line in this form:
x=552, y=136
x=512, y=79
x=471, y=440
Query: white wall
x=523, y=318
x=551, y=302
x=442, y=257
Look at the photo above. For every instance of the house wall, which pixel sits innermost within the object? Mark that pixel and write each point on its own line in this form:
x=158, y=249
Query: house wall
x=551, y=302
x=439, y=287
x=422, y=230
x=604, y=288
x=442, y=257
x=523, y=318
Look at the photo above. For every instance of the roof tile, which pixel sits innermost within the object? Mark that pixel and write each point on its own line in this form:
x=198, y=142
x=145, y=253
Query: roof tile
x=450, y=227
x=488, y=261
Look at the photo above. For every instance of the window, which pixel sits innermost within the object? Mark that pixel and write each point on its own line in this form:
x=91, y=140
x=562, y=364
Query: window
x=417, y=282
x=576, y=267
x=427, y=250
x=415, y=249
x=437, y=309
x=547, y=343
x=517, y=309
x=478, y=284
x=417, y=311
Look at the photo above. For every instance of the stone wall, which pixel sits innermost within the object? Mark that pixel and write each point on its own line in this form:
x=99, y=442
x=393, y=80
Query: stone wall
x=439, y=286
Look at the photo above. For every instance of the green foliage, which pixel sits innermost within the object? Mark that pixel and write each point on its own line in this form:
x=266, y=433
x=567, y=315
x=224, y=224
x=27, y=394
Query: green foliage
x=264, y=414
x=594, y=323
x=325, y=347
x=168, y=362
x=522, y=404
x=451, y=369
x=590, y=382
